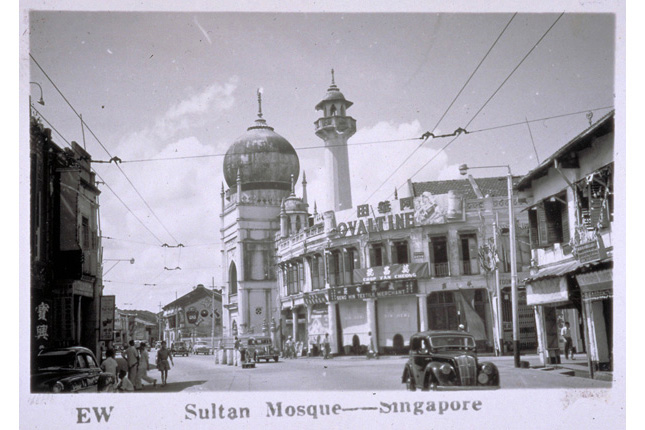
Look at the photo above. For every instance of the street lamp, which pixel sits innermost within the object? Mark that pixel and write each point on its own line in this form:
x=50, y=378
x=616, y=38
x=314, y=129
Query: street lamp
x=463, y=169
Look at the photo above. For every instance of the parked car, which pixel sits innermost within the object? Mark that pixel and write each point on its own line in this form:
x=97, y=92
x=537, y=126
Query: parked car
x=69, y=370
x=447, y=360
x=264, y=350
x=201, y=347
x=179, y=348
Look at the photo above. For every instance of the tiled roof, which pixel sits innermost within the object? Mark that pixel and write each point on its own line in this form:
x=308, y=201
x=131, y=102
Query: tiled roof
x=192, y=297
x=495, y=186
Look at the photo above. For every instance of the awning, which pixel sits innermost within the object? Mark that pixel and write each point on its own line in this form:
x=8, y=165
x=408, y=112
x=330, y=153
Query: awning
x=597, y=285
x=554, y=271
x=547, y=291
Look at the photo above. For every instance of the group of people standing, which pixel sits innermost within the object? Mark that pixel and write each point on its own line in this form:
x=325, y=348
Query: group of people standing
x=131, y=370
x=295, y=349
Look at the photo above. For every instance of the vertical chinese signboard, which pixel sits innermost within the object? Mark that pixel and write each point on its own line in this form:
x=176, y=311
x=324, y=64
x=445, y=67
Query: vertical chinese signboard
x=107, y=318
x=42, y=321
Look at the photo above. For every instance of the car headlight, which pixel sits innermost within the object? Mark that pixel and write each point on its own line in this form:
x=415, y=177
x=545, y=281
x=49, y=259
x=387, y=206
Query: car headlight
x=58, y=387
x=488, y=369
x=482, y=378
x=446, y=369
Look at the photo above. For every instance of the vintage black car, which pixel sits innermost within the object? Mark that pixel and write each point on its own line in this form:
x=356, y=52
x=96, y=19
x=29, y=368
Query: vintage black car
x=264, y=349
x=69, y=370
x=447, y=360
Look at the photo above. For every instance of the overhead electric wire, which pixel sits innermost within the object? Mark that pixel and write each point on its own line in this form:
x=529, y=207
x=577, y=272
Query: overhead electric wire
x=491, y=97
x=103, y=180
x=447, y=109
x=103, y=146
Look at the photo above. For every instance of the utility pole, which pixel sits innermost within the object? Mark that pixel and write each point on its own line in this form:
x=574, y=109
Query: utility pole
x=213, y=316
x=498, y=290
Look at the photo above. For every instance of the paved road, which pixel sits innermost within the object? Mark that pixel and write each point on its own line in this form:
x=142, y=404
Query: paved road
x=201, y=374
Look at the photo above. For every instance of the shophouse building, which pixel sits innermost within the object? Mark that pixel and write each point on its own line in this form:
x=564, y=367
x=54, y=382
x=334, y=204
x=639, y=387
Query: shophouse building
x=399, y=266
x=66, y=272
x=191, y=316
x=571, y=216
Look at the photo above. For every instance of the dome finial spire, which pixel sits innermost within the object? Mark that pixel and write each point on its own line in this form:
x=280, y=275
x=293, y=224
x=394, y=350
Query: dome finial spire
x=260, y=102
x=333, y=81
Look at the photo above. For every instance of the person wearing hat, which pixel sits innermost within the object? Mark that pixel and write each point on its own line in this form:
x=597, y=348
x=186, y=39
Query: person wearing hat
x=142, y=370
x=288, y=345
x=461, y=327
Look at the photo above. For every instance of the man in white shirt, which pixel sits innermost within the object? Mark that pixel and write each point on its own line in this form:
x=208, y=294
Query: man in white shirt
x=565, y=332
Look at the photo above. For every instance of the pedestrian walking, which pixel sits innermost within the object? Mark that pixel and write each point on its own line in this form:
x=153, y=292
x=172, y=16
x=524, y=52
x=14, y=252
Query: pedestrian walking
x=326, y=346
x=237, y=354
x=565, y=332
x=371, y=349
x=163, y=355
x=132, y=357
x=142, y=371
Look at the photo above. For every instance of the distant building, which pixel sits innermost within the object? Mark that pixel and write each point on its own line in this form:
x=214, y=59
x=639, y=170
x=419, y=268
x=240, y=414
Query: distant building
x=135, y=325
x=191, y=316
x=571, y=217
x=66, y=273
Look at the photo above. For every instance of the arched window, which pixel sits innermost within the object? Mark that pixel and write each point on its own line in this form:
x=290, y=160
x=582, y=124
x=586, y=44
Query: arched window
x=232, y=279
x=298, y=224
x=332, y=111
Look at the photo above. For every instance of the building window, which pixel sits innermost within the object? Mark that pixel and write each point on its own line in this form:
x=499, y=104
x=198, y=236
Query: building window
x=335, y=268
x=596, y=199
x=351, y=263
x=439, y=262
x=469, y=254
x=85, y=233
x=295, y=277
x=317, y=272
x=378, y=256
x=400, y=254
x=549, y=222
x=232, y=280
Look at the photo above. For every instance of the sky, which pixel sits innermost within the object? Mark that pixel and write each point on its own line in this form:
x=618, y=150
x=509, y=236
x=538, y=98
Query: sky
x=155, y=85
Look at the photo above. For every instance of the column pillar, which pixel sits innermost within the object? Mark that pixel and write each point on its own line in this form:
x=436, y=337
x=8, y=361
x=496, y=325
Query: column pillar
x=423, y=311
x=294, y=318
x=333, y=327
x=242, y=308
x=371, y=319
x=541, y=336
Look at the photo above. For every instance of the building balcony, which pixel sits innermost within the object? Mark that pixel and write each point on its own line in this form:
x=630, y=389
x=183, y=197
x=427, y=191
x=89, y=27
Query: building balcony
x=342, y=124
x=440, y=270
x=469, y=267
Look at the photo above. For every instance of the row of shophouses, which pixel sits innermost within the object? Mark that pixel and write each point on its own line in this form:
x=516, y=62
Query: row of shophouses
x=428, y=261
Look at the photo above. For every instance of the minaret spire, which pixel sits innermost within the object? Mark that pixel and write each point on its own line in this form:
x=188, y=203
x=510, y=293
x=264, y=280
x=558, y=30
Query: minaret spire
x=333, y=82
x=304, y=188
x=260, y=102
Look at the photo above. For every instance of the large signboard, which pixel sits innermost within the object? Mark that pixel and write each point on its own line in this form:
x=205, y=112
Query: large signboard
x=314, y=299
x=368, y=291
x=393, y=272
x=107, y=318
x=404, y=213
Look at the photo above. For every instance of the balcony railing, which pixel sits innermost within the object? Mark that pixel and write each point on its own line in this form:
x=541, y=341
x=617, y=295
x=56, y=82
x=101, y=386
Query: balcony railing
x=440, y=270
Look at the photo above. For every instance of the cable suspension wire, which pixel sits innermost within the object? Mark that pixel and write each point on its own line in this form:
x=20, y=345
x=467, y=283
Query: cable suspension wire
x=102, y=146
x=99, y=176
x=428, y=135
x=491, y=97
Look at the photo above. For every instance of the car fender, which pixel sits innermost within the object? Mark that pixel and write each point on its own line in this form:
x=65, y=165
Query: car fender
x=432, y=370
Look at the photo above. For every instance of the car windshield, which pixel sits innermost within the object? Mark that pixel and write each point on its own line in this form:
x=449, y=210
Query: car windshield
x=452, y=341
x=262, y=341
x=58, y=359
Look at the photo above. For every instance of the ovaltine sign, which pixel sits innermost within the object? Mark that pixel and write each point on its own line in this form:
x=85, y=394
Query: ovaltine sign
x=392, y=272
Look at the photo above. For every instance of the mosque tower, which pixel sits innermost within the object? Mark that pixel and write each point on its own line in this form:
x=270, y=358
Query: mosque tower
x=335, y=128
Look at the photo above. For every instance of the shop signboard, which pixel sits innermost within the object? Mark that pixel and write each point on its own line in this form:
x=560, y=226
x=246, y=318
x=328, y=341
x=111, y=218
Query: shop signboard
x=392, y=272
x=374, y=290
x=405, y=213
x=107, y=318
x=315, y=298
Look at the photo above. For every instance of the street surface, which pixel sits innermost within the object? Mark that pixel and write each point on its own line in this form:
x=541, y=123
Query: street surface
x=201, y=374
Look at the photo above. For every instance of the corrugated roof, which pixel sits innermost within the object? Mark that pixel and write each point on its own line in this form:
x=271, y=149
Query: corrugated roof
x=494, y=186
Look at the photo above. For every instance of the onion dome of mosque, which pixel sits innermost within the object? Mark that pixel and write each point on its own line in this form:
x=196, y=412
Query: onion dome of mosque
x=262, y=158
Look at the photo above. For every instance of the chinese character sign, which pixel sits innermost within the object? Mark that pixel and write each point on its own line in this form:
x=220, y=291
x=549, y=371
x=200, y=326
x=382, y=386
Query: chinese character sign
x=107, y=318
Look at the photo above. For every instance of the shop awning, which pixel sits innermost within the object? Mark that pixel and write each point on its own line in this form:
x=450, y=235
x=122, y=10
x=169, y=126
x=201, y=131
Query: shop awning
x=596, y=285
x=554, y=271
x=547, y=291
